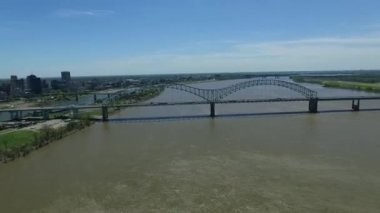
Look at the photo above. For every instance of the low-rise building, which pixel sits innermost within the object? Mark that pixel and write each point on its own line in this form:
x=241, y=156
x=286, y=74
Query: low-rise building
x=3, y=96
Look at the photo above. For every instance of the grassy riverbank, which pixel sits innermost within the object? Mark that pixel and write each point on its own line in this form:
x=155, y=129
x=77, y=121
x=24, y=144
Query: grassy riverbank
x=21, y=142
x=14, y=139
x=368, y=87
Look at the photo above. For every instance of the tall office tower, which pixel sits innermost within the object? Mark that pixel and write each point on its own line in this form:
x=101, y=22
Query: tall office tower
x=16, y=86
x=34, y=84
x=13, y=85
x=65, y=76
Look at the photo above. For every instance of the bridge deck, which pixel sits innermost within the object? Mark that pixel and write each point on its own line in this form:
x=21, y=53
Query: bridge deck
x=152, y=104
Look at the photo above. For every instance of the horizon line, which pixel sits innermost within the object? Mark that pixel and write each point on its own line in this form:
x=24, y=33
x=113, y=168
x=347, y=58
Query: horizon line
x=205, y=73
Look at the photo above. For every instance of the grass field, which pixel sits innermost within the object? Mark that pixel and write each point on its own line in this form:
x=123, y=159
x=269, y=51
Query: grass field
x=16, y=139
x=370, y=87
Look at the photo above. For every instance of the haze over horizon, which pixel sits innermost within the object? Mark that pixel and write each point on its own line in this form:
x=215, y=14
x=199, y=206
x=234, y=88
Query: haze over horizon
x=99, y=37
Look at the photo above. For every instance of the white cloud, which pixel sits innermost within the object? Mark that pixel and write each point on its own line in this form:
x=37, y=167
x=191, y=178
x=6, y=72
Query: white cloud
x=294, y=55
x=67, y=13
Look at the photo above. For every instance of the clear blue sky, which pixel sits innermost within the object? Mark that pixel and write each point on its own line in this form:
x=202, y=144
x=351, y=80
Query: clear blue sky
x=101, y=37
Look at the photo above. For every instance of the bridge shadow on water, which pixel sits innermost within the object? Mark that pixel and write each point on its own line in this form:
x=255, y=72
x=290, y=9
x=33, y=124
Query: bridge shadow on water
x=237, y=115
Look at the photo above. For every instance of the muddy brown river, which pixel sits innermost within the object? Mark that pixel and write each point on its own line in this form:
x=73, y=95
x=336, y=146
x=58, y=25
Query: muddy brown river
x=326, y=162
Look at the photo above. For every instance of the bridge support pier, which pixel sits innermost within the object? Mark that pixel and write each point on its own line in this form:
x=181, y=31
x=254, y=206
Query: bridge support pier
x=15, y=115
x=45, y=114
x=35, y=113
x=104, y=113
x=212, y=109
x=76, y=97
x=356, y=106
x=75, y=113
x=313, y=105
x=95, y=98
x=12, y=114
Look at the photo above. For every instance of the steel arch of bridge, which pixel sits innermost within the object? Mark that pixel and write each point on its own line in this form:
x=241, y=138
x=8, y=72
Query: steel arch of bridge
x=214, y=95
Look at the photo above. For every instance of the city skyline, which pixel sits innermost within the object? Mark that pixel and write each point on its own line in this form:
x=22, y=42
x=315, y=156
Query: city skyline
x=155, y=37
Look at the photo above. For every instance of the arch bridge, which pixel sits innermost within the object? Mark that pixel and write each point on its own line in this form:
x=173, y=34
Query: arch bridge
x=216, y=95
x=211, y=97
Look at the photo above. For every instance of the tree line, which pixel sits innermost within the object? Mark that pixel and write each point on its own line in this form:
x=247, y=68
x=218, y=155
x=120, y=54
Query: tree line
x=43, y=137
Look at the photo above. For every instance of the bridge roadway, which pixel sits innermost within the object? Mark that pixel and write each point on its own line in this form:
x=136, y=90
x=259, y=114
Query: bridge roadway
x=313, y=105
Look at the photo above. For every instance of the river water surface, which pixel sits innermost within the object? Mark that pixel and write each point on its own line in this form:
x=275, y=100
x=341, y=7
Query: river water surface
x=326, y=162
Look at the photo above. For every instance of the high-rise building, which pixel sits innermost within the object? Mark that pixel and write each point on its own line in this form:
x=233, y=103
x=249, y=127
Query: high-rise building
x=17, y=86
x=21, y=85
x=34, y=84
x=13, y=86
x=65, y=76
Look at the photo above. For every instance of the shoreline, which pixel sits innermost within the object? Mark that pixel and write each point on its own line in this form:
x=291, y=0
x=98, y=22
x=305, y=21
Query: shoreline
x=21, y=142
x=340, y=84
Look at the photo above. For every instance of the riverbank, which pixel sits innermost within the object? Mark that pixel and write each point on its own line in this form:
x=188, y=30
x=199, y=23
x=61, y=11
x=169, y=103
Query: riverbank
x=21, y=142
x=368, y=87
